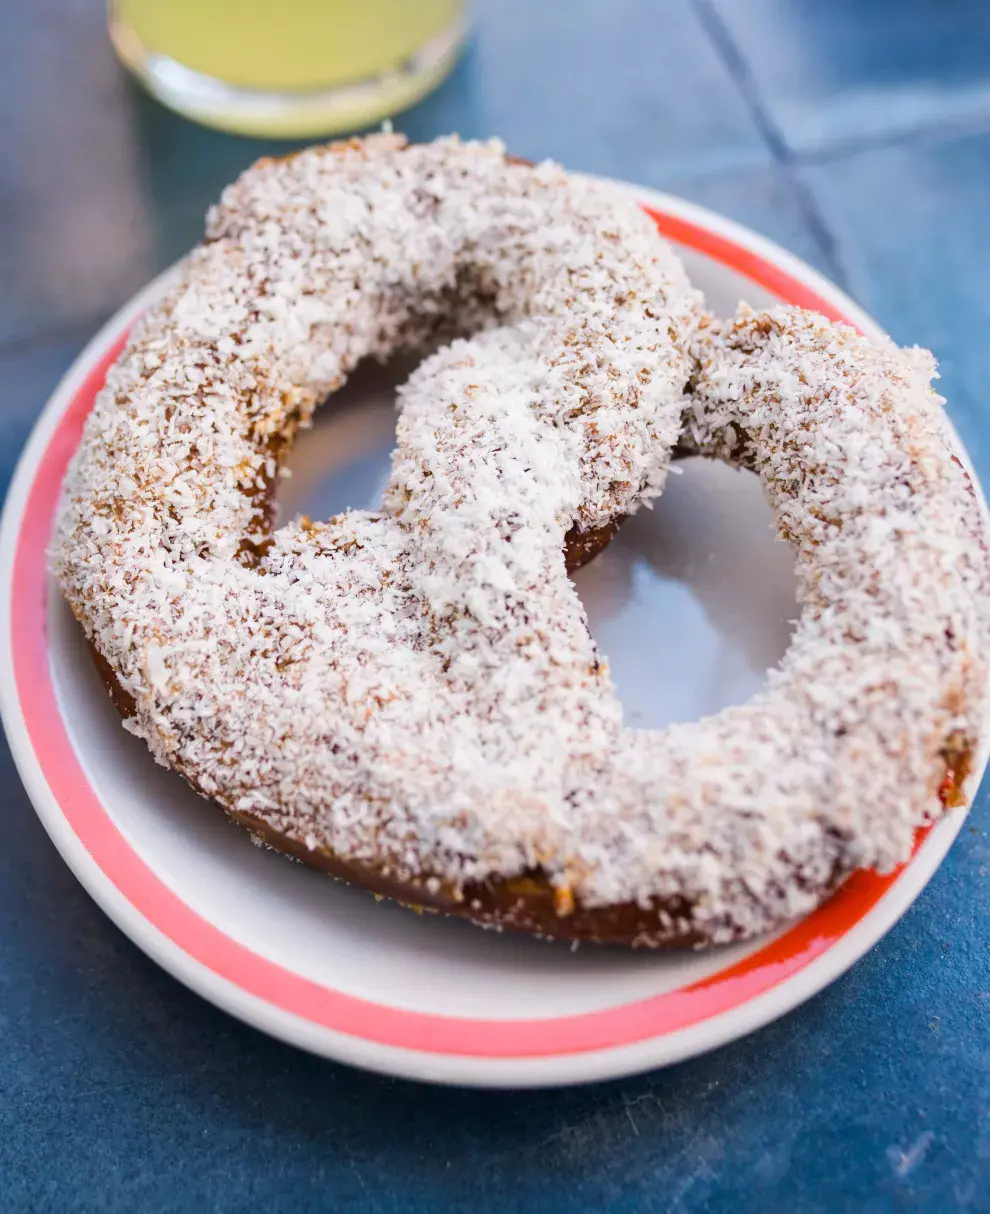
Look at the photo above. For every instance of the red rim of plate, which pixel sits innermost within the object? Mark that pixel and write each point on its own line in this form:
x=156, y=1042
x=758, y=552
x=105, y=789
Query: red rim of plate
x=628, y=1024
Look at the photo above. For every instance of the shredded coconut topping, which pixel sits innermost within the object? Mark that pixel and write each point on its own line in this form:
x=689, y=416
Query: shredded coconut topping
x=416, y=688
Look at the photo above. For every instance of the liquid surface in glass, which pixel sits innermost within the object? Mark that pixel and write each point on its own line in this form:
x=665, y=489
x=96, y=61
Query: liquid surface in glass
x=288, y=45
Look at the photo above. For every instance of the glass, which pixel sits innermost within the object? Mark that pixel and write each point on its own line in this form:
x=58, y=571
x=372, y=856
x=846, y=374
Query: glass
x=288, y=67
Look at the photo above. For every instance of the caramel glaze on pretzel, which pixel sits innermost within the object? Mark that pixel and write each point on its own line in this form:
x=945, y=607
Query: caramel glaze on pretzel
x=410, y=699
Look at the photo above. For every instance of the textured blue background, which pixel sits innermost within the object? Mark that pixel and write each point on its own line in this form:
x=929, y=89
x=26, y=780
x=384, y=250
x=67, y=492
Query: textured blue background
x=855, y=132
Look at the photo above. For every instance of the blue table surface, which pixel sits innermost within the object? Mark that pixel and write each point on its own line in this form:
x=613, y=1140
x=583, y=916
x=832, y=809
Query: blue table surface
x=856, y=133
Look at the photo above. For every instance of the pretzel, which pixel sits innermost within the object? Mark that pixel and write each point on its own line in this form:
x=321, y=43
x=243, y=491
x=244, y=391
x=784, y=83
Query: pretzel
x=410, y=698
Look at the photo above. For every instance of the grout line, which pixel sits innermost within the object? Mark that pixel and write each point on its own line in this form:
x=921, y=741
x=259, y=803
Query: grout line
x=944, y=131
x=822, y=232
x=938, y=131
x=738, y=69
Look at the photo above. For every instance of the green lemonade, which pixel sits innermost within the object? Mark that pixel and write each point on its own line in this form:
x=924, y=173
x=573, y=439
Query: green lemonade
x=295, y=47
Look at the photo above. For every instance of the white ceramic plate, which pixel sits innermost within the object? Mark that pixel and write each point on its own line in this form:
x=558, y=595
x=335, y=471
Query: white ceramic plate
x=691, y=602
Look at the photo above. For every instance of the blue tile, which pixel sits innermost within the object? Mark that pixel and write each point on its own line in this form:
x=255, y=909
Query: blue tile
x=840, y=71
x=97, y=208
x=631, y=88
x=87, y=236
x=773, y=203
x=29, y=376
x=910, y=222
x=150, y=1099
